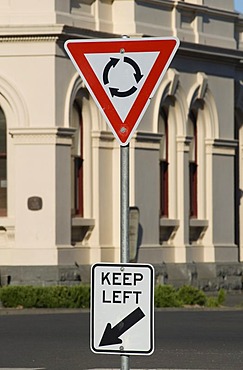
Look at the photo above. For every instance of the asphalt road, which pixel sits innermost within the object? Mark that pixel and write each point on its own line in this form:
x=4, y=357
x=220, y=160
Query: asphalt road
x=184, y=340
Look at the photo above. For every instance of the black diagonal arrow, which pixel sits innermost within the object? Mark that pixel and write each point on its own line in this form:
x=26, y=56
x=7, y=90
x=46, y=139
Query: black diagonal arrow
x=138, y=75
x=111, y=335
x=112, y=63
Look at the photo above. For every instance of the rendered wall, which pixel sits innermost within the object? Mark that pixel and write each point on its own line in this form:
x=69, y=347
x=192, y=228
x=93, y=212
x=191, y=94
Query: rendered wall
x=38, y=85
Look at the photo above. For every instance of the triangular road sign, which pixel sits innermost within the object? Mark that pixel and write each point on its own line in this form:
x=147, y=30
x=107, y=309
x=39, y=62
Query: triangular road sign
x=122, y=76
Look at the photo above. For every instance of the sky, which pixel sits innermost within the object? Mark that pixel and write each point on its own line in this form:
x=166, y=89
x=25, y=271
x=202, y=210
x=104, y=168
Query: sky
x=239, y=6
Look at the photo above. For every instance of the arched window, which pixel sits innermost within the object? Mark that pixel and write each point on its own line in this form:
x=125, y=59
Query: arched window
x=3, y=164
x=77, y=161
x=193, y=165
x=163, y=163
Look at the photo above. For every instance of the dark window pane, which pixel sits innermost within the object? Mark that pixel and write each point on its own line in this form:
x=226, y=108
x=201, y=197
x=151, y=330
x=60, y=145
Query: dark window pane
x=3, y=165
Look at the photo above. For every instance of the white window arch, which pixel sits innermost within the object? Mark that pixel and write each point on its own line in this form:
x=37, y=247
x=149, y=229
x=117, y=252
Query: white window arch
x=203, y=108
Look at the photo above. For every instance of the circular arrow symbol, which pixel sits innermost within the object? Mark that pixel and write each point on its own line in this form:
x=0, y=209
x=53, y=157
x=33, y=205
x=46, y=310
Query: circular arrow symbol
x=137, y=75
x=122, y=94
x=112, y=63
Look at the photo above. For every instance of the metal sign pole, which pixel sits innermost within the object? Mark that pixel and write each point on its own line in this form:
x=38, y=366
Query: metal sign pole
x=124, y=196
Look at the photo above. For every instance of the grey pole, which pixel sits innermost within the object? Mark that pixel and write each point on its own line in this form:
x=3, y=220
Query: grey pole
x=124, y=247
x=124, y=163
x=124, y=189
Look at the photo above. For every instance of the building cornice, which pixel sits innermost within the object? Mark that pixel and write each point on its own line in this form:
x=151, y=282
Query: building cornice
x=31, y=30
x=61, y=32
x=48, y=33
x=181, y=5
x=222, y=55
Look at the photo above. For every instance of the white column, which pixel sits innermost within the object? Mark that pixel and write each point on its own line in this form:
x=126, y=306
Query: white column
x=181, y=240
x=42, y=195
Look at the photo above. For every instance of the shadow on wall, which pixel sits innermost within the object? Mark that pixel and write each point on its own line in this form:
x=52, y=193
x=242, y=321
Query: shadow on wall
x=5, y=280
x=135, y=234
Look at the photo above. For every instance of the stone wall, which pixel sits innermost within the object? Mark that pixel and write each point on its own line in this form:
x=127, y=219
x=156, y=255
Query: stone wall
x=206, y=276
x=209, y=277
x=43, y=275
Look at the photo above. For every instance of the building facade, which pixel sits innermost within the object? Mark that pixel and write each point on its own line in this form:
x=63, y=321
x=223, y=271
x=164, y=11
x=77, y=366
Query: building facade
x=60, y=164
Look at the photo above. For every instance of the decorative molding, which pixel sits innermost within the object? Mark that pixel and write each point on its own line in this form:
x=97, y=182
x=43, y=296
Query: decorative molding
x=81, y=230
x=209, y=11
x=30, y=136
x=202, y=80
x=157, y=3
x=29, y=38
x=146, y=140
x=30, y=33
x=192, y=7
x=174, y=76
x=13, y=104
x=198, y=228
x=168, y=229
x=183, y=143
x=103, y=139
x=221, y=146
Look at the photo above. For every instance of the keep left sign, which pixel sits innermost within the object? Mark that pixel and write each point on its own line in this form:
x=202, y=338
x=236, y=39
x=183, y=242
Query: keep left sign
x=122, y=309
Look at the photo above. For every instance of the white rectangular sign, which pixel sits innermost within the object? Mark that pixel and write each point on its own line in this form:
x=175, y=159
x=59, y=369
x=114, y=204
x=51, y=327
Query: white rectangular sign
x=122, y=309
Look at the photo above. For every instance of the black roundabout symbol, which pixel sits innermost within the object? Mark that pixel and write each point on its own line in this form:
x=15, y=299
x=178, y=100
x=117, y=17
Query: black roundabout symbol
x=137, y=76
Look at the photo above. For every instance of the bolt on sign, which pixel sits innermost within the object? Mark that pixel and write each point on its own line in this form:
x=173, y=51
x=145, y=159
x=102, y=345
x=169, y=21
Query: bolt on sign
x=122, y=309
x=122, y=75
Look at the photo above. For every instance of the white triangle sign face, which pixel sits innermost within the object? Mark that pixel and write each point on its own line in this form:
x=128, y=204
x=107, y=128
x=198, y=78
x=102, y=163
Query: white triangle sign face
x=123, y=91
x=122, y=76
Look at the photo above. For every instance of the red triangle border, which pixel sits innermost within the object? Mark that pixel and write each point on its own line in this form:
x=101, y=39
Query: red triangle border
x=167, y=47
